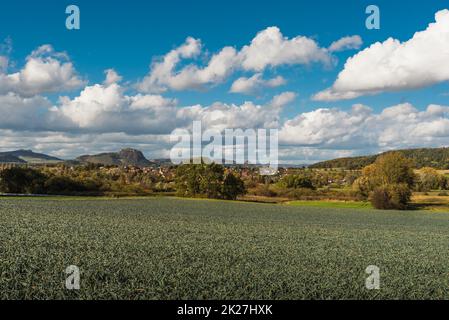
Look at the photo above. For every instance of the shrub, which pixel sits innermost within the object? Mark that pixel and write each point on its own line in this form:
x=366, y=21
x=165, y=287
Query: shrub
x=380, y=198
x=63, y=185
x=400, y=196
x=264, y=190
x=395, y=196
x=296, y=182
x=300, y=194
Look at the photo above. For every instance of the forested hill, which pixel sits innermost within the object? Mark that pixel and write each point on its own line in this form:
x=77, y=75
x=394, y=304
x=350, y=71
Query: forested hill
x=437, y=158
x=26, y=156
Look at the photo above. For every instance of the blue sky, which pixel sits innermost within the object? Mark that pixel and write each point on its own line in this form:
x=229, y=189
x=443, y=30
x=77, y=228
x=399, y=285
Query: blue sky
x=128, y=36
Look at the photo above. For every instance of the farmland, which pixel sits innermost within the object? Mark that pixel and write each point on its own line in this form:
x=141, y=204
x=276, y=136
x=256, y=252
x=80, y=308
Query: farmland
x=169, y=248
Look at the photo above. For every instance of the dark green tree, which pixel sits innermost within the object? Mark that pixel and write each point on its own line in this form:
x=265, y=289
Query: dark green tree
x=233, y=187
x=22, y=180
x=63, y=185
x=207, y=180
x=296, y=182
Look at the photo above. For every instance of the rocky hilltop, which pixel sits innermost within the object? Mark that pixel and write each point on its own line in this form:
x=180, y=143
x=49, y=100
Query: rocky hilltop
x=125, y=157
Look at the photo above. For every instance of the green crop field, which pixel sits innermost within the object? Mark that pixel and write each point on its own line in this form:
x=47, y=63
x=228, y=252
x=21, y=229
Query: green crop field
x=167, y=248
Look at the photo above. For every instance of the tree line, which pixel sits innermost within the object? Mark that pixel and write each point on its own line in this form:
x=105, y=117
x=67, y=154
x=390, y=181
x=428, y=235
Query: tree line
x=203, y=180
x=388, y=182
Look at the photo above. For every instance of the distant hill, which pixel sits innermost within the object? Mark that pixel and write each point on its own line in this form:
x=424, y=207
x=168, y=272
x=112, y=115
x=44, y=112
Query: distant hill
x=7, y=158
x=26, y=156
x=125, y=157
x=428, y=157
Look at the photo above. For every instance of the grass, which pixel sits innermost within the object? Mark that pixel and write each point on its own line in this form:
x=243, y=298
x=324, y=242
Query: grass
x=432, y=201
x=168, y=248
x=333, y=204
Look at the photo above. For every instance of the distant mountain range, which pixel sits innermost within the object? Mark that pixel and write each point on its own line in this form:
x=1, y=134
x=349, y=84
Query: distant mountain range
x=125, y=157
x=424, y=157
x=437, y=158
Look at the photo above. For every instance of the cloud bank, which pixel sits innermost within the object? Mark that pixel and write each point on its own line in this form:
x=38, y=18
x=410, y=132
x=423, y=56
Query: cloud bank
x=393, y=65
x=269, y=49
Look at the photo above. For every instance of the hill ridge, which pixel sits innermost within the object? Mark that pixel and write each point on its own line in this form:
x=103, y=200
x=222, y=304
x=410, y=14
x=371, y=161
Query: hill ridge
x=26, y=156
x=423, y=157
x=127, y=156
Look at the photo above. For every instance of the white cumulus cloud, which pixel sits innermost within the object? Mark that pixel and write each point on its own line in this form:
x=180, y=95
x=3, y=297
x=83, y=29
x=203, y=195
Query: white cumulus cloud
x=112, y=77
x=45, y=71
x=270, y=48
x=255, y=83
x=393, y=65
x=396, y=127
x=346, y=43
x=164, y=76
